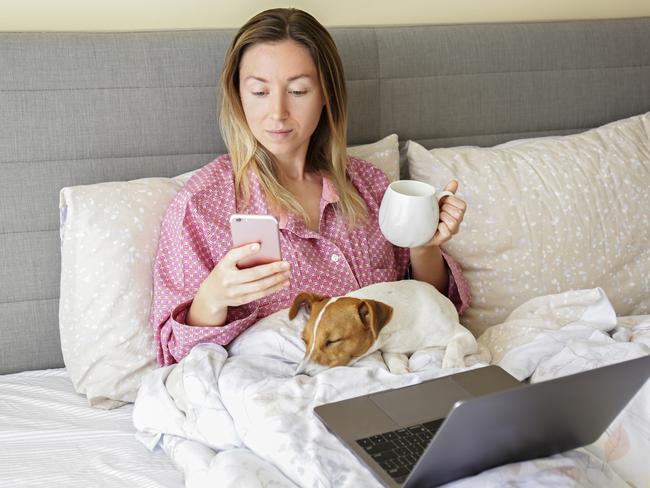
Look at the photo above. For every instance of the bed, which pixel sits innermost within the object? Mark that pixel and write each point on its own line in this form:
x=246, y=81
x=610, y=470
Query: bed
x=98, y=127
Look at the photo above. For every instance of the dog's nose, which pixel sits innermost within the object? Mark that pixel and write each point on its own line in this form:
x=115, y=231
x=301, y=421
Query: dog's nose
x=309, y=368
x=302, y=368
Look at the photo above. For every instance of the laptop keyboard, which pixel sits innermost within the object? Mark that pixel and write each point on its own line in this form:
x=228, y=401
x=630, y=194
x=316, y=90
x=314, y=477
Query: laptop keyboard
x=397, y=451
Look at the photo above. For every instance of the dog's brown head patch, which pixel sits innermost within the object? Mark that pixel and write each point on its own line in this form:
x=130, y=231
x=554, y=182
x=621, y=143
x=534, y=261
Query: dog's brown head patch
x=344, y=331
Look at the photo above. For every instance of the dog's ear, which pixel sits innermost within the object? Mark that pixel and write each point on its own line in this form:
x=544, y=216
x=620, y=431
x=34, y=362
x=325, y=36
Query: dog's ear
x=304, y=298
x=374, y=315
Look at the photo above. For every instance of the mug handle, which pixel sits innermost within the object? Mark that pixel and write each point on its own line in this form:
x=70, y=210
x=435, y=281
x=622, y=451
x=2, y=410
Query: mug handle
x=443, y=194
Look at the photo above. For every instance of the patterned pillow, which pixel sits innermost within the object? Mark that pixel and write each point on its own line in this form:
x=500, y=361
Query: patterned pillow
x=548, y=215
x=109, y=238
x=384, y=154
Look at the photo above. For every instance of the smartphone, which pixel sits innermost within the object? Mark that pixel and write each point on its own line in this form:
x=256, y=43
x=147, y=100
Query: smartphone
x=246, y=229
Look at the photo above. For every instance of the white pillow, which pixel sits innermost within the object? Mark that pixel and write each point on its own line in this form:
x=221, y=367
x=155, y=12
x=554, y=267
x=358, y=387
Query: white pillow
x=548, y=215
x=384, y=154
x=109, y=239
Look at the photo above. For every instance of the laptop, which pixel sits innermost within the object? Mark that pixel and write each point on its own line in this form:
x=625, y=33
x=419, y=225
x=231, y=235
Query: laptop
x=459, y=425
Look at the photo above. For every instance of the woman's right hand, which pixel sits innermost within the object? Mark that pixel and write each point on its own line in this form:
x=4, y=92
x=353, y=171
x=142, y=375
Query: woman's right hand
x=228, y=286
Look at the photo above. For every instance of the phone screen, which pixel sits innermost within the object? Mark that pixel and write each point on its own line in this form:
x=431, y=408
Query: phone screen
x=246, y=229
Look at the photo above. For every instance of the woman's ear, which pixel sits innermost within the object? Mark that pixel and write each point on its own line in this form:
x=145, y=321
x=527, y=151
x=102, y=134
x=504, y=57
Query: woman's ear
x=303, y=299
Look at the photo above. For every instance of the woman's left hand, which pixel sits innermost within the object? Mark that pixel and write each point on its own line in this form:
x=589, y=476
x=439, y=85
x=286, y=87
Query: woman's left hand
x=452, y=211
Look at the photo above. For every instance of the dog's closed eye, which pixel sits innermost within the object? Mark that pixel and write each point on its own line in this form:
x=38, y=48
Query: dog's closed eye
x=329, y=342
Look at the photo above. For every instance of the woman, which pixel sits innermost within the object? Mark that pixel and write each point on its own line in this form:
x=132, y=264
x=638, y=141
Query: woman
x=284, y=120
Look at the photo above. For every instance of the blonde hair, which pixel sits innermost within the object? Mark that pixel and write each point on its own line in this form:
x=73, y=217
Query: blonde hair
x=327, y=152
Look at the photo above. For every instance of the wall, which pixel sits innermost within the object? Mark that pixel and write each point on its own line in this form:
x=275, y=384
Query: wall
x=98, y=15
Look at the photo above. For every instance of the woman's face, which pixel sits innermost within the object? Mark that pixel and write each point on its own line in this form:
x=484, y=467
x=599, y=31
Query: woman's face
x=281, y=97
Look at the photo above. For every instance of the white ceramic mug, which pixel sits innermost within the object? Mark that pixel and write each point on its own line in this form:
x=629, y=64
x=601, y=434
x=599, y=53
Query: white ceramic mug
x=409, y=213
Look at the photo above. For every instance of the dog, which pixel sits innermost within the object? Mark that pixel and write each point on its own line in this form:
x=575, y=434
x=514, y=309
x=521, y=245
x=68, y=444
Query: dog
x=398, y=317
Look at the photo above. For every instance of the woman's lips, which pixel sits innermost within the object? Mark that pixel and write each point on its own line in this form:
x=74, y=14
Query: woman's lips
x=279, y=134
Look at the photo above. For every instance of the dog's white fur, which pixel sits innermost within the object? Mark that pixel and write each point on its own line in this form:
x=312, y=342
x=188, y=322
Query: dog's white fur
x=422, y=317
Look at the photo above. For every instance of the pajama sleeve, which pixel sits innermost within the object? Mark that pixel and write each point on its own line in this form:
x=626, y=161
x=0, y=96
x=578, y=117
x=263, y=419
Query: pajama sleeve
x=192, y=240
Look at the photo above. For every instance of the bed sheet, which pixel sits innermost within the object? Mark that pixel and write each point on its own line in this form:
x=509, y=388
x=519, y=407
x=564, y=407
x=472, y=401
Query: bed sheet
x=50, y=437
x=240, y=417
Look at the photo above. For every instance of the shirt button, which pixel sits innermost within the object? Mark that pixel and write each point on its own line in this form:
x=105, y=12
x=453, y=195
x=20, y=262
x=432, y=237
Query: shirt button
x=335, y=257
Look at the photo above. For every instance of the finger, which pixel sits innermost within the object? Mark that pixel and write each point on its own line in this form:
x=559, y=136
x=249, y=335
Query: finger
x=263, y=270
x=455, y=212
x=236, y=254
x=242, y=300
x=456, y=202
x=259, y=285
x=451, y=210
x=450, y=222
x=452, y=186
x=235, y=276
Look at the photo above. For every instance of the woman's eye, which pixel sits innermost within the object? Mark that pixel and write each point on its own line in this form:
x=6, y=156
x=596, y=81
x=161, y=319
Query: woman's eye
x=297, y=93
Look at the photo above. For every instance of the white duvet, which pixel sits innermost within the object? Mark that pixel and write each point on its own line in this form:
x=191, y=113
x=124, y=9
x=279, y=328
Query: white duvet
x=241, y=418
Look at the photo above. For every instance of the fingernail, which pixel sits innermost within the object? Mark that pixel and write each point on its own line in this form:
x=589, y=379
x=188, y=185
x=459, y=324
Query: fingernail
x=255, y=246
x=285, y=265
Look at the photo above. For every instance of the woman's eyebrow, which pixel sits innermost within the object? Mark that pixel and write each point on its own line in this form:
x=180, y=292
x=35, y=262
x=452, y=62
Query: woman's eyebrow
x=266, y=81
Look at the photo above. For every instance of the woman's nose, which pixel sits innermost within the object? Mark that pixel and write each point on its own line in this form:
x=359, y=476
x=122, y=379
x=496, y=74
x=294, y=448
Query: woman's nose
x=279, y=106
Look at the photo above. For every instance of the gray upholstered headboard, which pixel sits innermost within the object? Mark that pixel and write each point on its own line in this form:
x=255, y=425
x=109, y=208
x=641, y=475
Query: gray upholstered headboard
x=79, y=108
